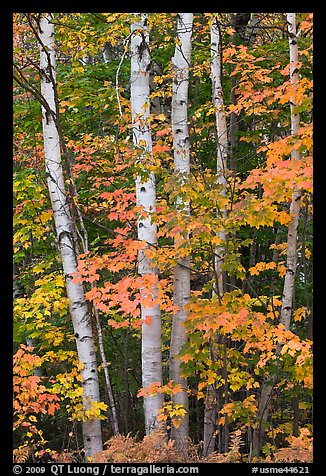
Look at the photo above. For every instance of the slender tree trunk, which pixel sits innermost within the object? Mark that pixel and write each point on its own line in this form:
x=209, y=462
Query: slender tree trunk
x=310, y=330
x=181, y=145
x=296, y=416
x=210, y=416
x=126, y=381
x=65, y=237
x=291, y=258
x=233, y=128
x=263, y=411
x=112, y=405
x=147, y=230
x=221, y=141
x=239, y=22
x=252, y=27
x=291, y=262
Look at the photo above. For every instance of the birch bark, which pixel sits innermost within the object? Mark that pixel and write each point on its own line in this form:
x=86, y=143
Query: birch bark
x=291, y=262
x=222, y=140
x=291, y=258
x=65, y=236
x=181, y=146
x=210, y=412
x=147, y=230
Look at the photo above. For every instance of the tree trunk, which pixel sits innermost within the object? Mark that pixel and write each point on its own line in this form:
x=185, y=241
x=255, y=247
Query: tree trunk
x=221, y=170
x=296, y=416
x=310, y=330
x=210, y=416
x=181, y=145
x=112, y=405
x=291, y=262
x=222, y=143
x=291, y=257
x=147, y=230
x=126, y=382
x=65, y=236
x=239, y=22
x=252, y=27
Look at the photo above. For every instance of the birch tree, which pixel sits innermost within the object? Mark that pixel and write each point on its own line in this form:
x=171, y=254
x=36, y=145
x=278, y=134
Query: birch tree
x=221, y=142
x=210, y=412
x=291, y=262
x=291, y=257
x=147, y=229
x=65, y=236
x=181, y=147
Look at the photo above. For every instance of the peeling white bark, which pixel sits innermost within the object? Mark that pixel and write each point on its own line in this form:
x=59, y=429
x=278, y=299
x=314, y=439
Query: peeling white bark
x=291, y=261
x=64, y=229
x=147, y=230
x=181, y=145
x=222, y=139
x=210, y=415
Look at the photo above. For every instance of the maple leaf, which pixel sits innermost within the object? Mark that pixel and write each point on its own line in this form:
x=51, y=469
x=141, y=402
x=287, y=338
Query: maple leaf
x=186, y=357
x=160, y=148
x=160, y=117
x=163, y=132
x=147, y=320
x=52, y=408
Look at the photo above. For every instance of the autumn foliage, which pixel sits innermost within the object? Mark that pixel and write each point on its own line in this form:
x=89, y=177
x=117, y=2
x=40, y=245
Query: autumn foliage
x=237, y=344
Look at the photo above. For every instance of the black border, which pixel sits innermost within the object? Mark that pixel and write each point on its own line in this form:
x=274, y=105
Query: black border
x=6, y=41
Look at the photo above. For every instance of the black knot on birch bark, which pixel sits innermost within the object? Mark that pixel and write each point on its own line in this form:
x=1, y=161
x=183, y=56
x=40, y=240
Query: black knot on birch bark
x=142, y=47
x=289, y=270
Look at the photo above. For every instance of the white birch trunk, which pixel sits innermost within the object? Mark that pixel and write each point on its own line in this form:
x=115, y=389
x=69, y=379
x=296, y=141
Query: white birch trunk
x=147, y=230
x=210, y=415
x=291, y=259
x=64, y=229
x=222, y=139
x=181, y=145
